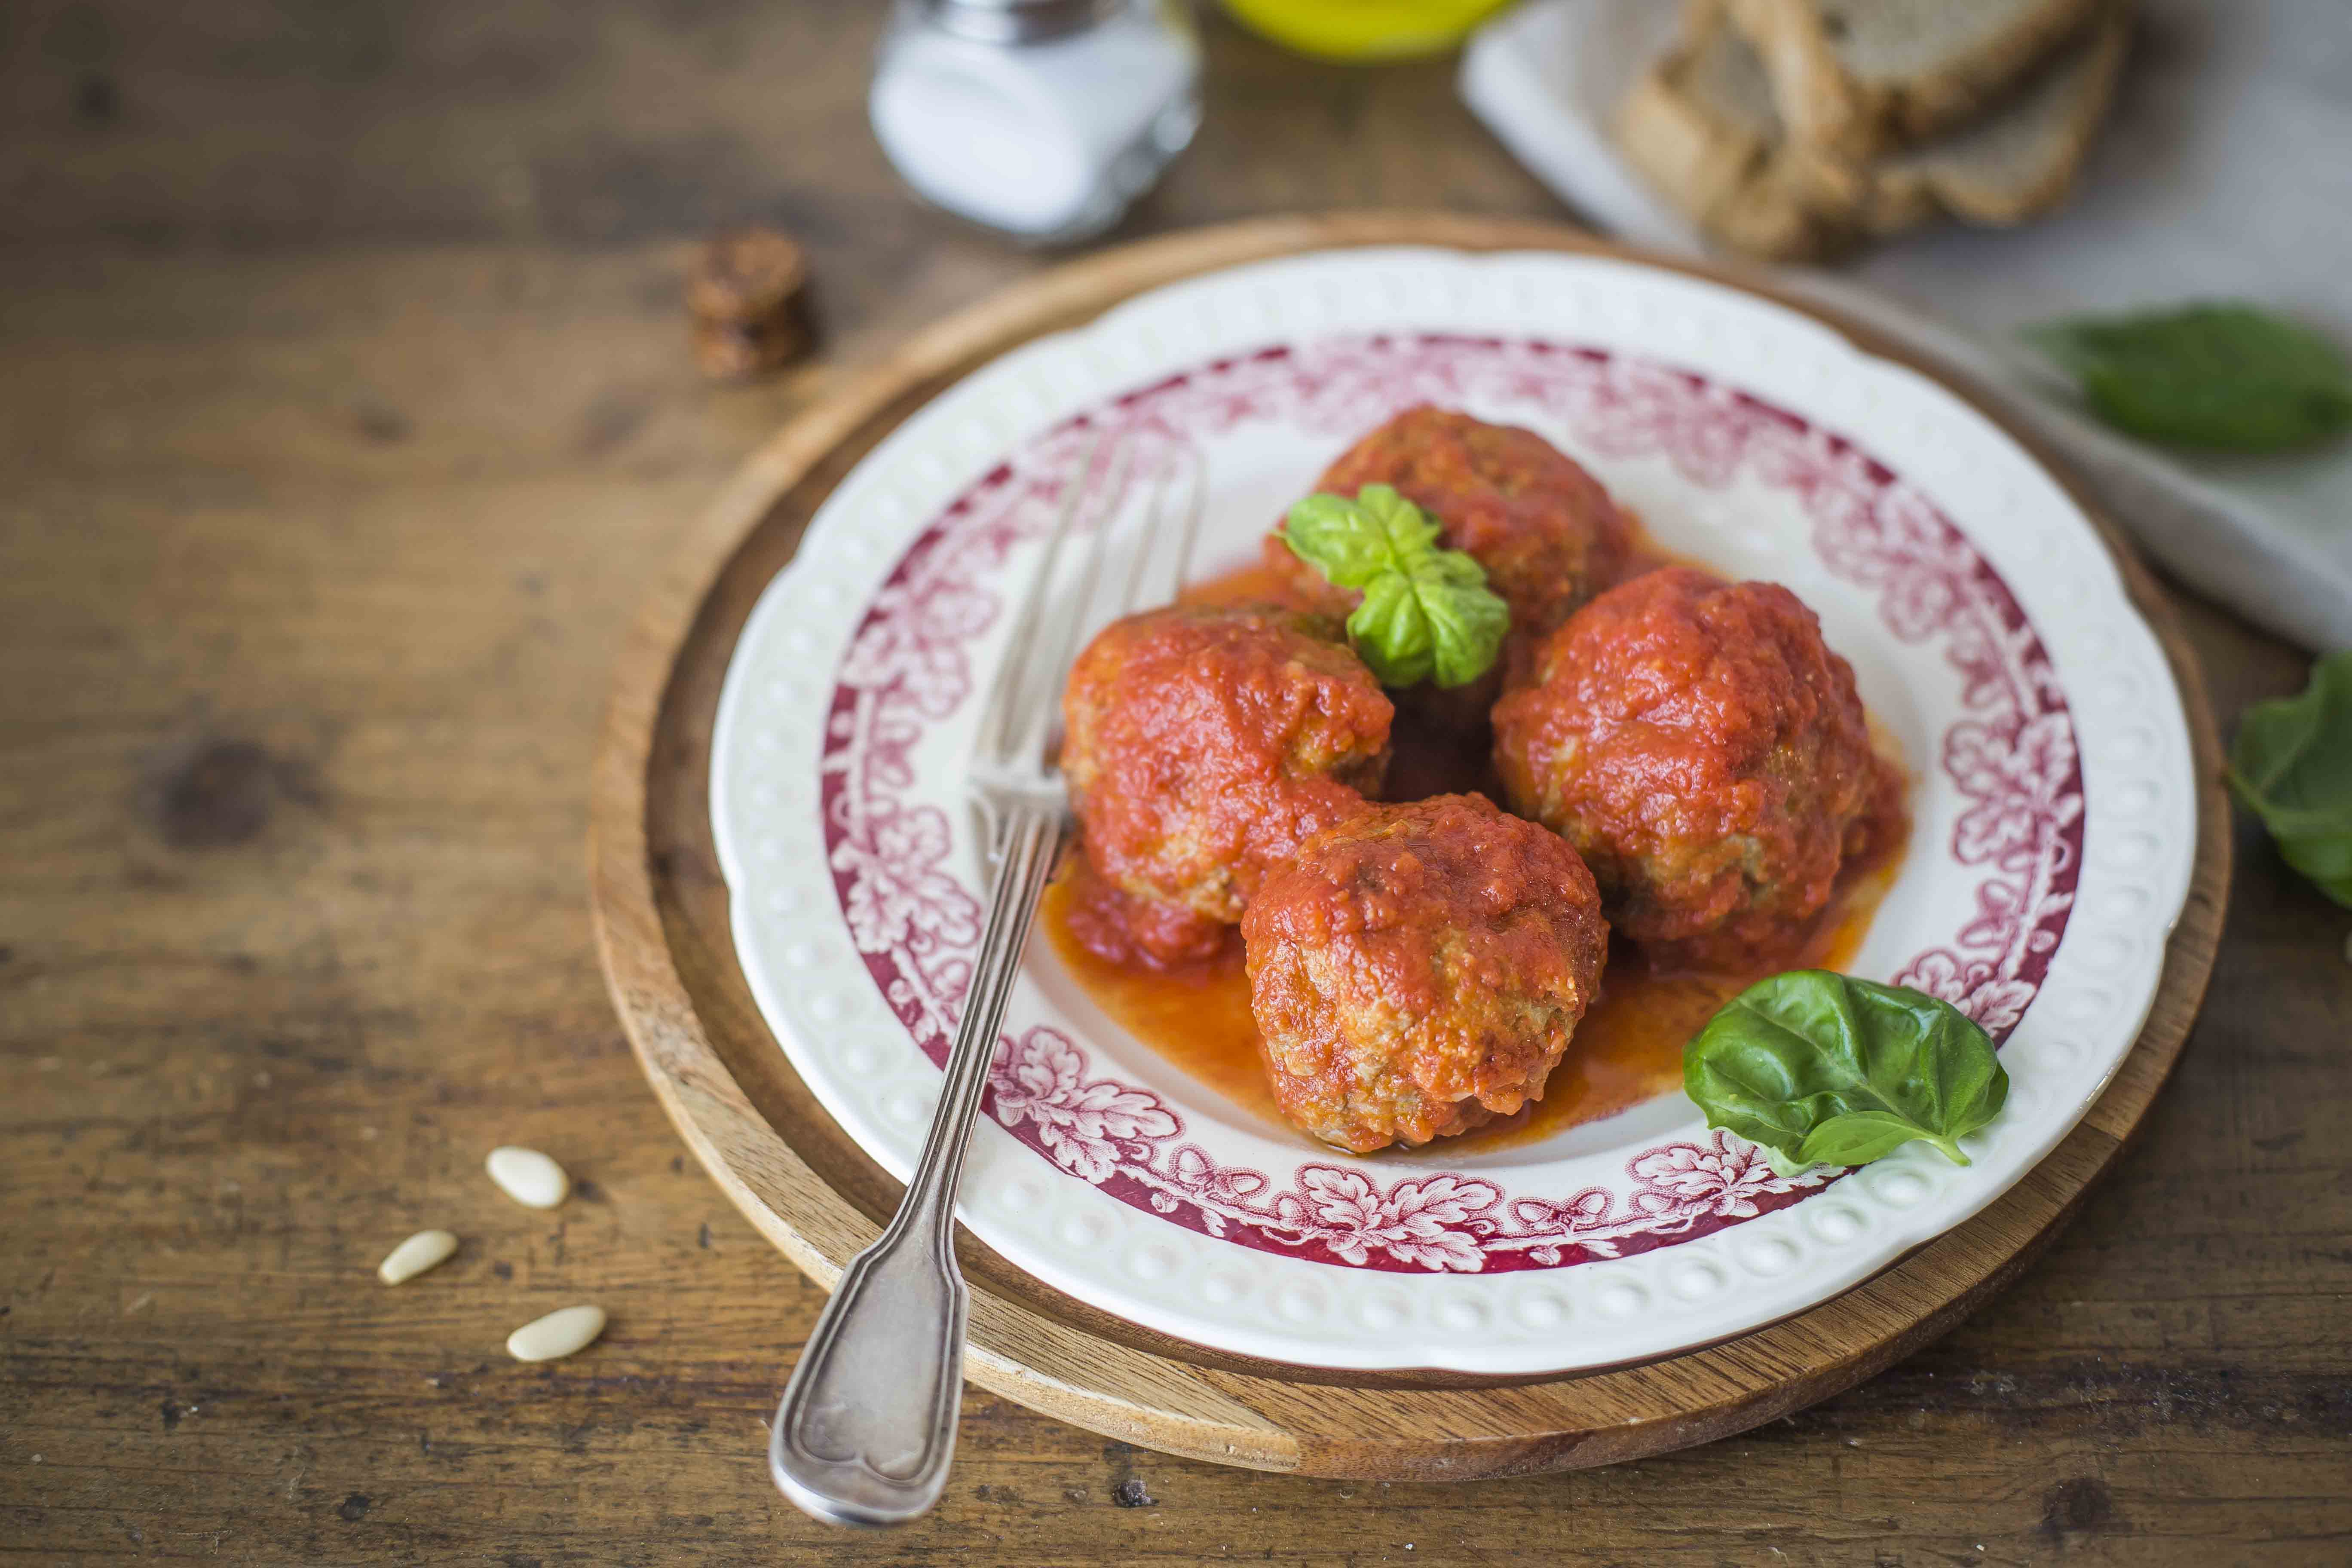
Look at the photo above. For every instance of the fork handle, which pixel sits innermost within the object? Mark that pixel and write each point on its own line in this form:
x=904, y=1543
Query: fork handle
x=868, y=1421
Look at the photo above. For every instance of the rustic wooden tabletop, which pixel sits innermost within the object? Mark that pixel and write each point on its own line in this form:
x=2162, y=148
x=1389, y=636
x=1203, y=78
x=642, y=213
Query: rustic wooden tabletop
x=344, y=406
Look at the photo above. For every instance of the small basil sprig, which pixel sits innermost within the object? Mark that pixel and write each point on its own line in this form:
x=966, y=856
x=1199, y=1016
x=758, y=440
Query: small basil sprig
x=2292, y=765
x=1821, y=1069
x=2206, y=375
x=1426, y=611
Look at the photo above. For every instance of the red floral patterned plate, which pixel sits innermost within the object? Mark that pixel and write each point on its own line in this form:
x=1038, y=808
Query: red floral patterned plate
x=2053, y=803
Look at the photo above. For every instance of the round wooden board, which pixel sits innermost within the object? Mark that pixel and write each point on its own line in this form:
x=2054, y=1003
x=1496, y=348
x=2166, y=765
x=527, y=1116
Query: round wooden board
x=669, y=957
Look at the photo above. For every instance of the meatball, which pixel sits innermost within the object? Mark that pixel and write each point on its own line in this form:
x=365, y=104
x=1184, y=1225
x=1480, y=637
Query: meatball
x=1546, y=532
x=1418, y=970
x=1708, y=755
x=1132, y=930
x=1202, y=744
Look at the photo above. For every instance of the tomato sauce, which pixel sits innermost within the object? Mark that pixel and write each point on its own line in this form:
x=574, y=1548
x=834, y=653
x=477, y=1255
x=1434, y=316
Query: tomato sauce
x=1627, y=1049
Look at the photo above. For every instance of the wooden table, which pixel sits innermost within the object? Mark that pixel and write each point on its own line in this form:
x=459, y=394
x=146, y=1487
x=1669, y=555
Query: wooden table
x=346, y=407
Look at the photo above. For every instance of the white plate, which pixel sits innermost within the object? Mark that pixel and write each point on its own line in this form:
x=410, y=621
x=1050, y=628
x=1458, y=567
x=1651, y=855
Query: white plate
x=2053, y=807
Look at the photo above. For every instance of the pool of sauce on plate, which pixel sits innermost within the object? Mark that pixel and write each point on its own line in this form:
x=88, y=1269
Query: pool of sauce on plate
x=1627, y=1049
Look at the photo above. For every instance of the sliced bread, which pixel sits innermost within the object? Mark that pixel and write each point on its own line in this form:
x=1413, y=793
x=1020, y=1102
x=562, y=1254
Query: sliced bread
x=1858, y=78
x=1702, y=125
x=2020, y=160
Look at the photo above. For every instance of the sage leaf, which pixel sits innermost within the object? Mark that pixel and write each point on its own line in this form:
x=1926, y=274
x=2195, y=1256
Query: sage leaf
x=1821, y=1070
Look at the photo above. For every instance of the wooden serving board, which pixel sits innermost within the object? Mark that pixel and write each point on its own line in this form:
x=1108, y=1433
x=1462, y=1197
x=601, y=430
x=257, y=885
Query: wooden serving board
x=670, y=958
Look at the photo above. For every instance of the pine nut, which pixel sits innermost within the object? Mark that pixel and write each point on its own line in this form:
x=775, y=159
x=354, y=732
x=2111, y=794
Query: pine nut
x=426, y=1250
x=558, y=1334
x=529, y=1176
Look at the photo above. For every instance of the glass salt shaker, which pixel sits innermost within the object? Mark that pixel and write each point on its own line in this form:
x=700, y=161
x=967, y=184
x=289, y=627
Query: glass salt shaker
x=1042, y=119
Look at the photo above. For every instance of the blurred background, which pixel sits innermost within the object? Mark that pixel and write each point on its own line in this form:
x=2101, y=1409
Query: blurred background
x=169, y=164
x=351, y=397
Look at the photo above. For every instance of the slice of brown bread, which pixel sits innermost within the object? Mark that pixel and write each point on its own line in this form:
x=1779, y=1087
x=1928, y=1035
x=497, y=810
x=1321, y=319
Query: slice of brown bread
x=2020, y=160
x=1702, y=126
x=1699, y=124
x=1856, y=79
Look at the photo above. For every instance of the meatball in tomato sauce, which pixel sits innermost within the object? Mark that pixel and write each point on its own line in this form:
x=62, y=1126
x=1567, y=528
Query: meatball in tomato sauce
x=1201, y=744
x=1418, y=970
x=1546, y=532
x=1708, y=755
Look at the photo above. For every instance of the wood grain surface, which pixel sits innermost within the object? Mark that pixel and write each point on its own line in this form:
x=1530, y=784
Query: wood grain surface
x=348, y=415
x=668, y=951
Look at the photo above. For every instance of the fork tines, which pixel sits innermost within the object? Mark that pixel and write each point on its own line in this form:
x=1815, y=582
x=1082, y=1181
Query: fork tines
x=1138, y=506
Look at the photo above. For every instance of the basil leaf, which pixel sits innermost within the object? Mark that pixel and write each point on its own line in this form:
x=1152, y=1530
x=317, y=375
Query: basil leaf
x=1857, y=1138
x=1466, y=623
x=1391, y=629
x=1426, y=610
x=2206, y=375
x=1411, y=534
x=2291, y=762
x=1821, y=1069
x=1327, y=533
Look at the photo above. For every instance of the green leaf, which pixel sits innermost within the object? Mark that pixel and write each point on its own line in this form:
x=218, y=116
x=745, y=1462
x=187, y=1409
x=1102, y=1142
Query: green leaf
x=1411, y=534
x=2206, y=375
x=1390, y=628
x=1426, y=610
x=1821, y=1069
x=2292, y=765
x=1466, y=623
x=1858, y=1137
x=1329, y=533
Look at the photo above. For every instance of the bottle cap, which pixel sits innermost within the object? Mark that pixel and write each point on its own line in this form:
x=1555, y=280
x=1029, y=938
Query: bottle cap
x=1015, y=21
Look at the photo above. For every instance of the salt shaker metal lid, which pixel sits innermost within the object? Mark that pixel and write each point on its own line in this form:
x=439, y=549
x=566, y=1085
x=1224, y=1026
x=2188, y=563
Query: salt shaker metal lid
x=1014, y=21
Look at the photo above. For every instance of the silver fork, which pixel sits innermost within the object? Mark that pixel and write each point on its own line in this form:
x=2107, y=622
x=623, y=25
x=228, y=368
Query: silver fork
x=867, y=1425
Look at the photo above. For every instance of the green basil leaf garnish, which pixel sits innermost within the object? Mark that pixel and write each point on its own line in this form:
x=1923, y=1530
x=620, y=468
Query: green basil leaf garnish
x=2292, y=765
x=1390, y=628
x=2206, y=375
x=1821, y=1069
x=1466, y=623
x=1331, y=534
x=1427, y=611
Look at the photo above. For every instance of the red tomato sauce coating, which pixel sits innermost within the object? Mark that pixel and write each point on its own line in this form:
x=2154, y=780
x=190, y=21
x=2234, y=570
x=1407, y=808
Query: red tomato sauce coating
x=1201, y=744
x=1419, y=969
x=1694, y=760
x=1708, y=755
x=1133, y=932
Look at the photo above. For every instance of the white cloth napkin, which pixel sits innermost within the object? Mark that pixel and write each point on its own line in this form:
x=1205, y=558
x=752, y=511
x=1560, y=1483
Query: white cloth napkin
x=2225, y=172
